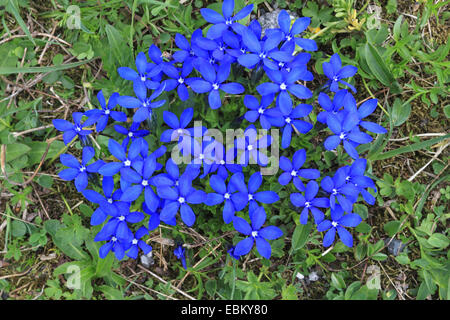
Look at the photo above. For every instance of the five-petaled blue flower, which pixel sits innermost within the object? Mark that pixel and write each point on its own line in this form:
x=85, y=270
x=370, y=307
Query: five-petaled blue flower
x=292, y=170
x=335, y=73
x=337, y=223
x=102, y=115
x=255, y=233
x=71, y=130
x=79, y=171
x=309, y=202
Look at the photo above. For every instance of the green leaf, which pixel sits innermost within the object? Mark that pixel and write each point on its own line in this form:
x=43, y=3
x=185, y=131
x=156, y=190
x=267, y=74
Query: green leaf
x=18, y=228
x=400, y=112
x=289, y=293
x=379, y=69
x=300, y=236
x=337, y=281
x=379, y=256
x=111, y=293
x=16, y=150
x=12, y=7
x=410, y=148
x=438, y=240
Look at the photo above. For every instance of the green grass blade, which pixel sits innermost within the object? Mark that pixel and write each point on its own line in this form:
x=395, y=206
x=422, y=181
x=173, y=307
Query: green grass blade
x=410, y=148
x=13, y=70
x=14, y=10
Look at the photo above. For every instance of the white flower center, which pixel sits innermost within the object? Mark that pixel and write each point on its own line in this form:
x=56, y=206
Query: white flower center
x=250, y=147
x=121, y=218
x=334, y=191
x=254, y=234
x=127, y=163
x=226, y=196
x=201, y=156
x=180, y=80
x=113, y=239
x=215, y=86
x=281, y=64
x=335, y=78
x=342, y=136
x=222, y=162
x=176, y=183
x=82, y=169
x=144, y=183
x=334, y=224
x=130, y=134
x=260, y=110
x=134, y=241
x=288, y=120
x=307, y=204
x=181, y=200
x=229, y=22
x=143, y=78
x=283, y=86
x=293, y=173
x=250, y=197
x=110, y=200
x=288, y=38
x=288, y=69
x=77, y=128
x=107, y=111
x=262, y=55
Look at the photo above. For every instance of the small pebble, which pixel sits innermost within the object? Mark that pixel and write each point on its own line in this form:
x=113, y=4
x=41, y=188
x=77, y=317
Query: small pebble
x=313, y=276
x=395, y=247
x=147, y=260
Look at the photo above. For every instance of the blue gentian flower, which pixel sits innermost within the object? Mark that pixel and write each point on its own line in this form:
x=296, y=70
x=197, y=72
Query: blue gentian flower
x=262, y=53
x=142, y=181
x=235, y=45
x=131, y=134
x=255, y=233
x=213, y=81
x=226, y=20
x=291, y=121
x=115, y=245
x=179, y=79
x=178, y=198
x=355, y=175
x=284, y=83
x=157, y=65
x=79, y=171
x=137, y=243
x=309, y=203
x=155, y=218
x=71, y=130
x=180, y=253
x=178, y=131
x=112, y=168
x=251, y=147
x=144, y=105
x=117, y=225
x=366, y=109
x=106, y=202
x=223, y=193
x=102, y=115
x=292, y=170
x=217, y=49
x=340, y=190
x=337, y=223
x=251, y=195
x=143, y=72
x=335, y=73
x=330, y=107
x=290, y=33
x=188, y=52
x=258, y=110
x=344, y=131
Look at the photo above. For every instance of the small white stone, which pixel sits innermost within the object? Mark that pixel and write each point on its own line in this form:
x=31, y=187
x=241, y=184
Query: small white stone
x=299, y=276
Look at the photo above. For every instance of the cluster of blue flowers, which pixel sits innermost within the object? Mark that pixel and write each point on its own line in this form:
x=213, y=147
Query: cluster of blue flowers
x=136, y=180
